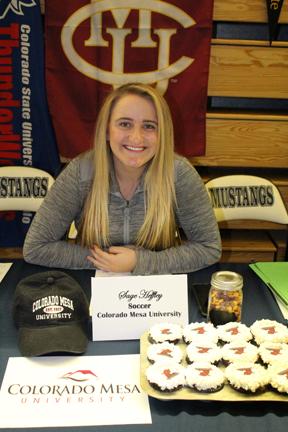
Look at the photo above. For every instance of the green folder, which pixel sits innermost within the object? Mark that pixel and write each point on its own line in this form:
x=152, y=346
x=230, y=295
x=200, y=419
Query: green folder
x=275, y=276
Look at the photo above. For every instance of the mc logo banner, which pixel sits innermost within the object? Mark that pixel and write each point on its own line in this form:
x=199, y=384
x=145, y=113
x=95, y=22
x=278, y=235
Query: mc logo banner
x=94, y=46
x=26, y=134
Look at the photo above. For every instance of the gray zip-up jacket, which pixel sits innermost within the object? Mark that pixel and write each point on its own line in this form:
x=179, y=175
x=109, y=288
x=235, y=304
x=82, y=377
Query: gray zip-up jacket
x=44, y=244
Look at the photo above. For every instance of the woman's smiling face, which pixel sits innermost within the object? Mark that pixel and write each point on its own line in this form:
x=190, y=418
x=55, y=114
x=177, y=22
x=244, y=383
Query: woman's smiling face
x=133, y=131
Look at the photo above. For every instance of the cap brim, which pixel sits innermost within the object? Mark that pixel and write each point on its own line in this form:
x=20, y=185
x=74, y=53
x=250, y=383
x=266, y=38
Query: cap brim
x=45, y=340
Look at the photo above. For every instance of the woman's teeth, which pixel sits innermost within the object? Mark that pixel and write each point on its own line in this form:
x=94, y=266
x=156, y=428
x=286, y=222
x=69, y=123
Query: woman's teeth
x=136, y=149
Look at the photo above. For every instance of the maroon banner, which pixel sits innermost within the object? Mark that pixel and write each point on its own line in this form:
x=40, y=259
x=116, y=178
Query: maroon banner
x=94, y=46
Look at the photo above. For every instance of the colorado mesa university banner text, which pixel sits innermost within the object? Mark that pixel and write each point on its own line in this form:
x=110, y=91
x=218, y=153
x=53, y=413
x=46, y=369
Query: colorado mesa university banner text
x=93, y=46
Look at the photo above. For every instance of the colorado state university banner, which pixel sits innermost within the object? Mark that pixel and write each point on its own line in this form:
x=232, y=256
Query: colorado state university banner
x=94, y=46
x=26, y=134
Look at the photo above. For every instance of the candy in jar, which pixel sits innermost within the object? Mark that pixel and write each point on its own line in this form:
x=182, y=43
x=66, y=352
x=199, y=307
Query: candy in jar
x=225, y=297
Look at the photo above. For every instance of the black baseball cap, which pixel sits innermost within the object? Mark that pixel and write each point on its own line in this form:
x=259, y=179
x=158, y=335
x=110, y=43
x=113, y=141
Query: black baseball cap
x=51, y=311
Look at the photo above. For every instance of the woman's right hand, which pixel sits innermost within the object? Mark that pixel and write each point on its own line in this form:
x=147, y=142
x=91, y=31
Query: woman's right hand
x=118, y=259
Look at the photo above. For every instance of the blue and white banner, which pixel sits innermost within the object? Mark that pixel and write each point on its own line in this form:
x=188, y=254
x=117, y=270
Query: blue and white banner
x=26, y=133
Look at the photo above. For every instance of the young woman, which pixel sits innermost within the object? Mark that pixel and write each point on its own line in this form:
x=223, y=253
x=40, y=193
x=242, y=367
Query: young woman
x=130, y=198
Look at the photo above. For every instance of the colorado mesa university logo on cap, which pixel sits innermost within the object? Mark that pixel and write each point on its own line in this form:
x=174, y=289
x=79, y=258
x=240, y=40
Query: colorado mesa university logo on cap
x=120, y=10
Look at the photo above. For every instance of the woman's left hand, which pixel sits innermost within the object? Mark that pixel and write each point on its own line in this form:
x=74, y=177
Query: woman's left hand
x=118, y=259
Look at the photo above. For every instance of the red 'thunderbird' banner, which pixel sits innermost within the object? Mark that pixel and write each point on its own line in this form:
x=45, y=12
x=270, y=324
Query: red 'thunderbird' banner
x=94, y=46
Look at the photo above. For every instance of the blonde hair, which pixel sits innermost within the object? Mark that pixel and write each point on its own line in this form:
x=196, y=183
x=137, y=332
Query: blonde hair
x=159, y=226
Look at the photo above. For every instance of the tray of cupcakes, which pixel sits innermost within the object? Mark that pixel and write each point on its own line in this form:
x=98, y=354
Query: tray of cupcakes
x=230, y=362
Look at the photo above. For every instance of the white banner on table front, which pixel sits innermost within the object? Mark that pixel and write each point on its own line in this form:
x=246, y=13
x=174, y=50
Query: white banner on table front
x=73, y=391
x=124, y=307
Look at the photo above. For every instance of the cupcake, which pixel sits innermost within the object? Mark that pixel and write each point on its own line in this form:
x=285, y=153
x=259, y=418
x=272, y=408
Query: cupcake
x=269, y=330
x=247, y=377
x=279, y=377
x=204, y=377
x=164, y=351
x=233, y=331
x=237, y=351
x=166, y=376
x=203, y=351
x=165, y=332
x=273, y=352
x=199, y=330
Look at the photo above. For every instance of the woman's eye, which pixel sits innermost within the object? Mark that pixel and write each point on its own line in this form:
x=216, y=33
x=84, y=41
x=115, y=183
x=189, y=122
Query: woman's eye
x=125, y=124
x=150, y=126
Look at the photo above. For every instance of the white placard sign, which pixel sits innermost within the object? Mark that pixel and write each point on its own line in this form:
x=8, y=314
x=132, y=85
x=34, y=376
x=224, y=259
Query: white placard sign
x=124, y=307
x=73, y=391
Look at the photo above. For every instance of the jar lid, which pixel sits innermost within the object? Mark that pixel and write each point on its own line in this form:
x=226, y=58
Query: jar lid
x=227, y=280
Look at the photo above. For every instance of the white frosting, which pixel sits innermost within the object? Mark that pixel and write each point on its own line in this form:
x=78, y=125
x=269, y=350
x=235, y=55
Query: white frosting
x=233, y=331
x=164, y=351
x=200, y=330
x=239, y=351
x=279, y=377
x=274, y=352
x=203, y=351
x=247, y=376
x=165, y=332
x=167, y=376
x=204, y=376
x=269, y=330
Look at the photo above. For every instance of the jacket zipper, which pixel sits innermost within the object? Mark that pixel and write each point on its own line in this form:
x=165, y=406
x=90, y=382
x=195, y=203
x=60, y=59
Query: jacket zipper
x=126, y=233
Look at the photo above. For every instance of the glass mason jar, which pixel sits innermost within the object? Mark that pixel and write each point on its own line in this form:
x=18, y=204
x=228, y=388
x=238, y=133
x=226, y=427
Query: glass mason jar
x=225, y=297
